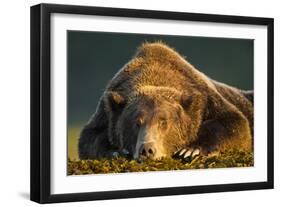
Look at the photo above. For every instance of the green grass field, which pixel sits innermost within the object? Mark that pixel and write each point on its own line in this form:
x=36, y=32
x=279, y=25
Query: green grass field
x=231, y=158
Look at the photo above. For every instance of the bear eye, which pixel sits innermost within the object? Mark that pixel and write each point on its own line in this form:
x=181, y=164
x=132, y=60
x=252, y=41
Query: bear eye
x=139, y=122
x=162, y=123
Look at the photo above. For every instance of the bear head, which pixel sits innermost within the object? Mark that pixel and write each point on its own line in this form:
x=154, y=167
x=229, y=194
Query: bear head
x=153, y=122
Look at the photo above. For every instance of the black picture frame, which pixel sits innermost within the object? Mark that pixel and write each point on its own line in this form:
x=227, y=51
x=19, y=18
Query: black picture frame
x=41, y=96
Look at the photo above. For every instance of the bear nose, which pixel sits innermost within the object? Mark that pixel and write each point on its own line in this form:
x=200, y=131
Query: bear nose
x=148, y=150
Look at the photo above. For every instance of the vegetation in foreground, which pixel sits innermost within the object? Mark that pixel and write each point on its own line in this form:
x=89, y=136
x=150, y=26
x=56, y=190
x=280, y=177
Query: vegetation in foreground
x=233, y=158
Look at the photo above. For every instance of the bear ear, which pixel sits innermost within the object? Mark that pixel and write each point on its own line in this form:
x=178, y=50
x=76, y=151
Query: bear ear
x=116, y=100
x=186, y=100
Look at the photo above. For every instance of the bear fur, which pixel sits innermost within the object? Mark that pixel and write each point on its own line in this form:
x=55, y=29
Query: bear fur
x=159, y=98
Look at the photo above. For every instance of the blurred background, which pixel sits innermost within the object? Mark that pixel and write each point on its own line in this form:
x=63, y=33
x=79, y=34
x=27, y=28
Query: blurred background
x=94, y=58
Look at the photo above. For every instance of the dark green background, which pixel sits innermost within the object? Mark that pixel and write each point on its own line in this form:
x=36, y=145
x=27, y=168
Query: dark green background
x=94, y=58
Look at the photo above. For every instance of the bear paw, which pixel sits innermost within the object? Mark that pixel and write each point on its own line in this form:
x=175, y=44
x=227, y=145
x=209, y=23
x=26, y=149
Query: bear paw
x=187, y=154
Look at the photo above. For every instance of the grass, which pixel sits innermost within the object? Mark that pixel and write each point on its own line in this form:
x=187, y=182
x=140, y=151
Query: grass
x=230, y=158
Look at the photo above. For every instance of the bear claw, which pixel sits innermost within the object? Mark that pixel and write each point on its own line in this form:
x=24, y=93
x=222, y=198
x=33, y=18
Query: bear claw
x=187, y=154
x=115, y=154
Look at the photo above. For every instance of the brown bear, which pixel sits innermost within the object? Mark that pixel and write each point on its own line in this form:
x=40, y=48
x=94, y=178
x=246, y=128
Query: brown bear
x=159, y=105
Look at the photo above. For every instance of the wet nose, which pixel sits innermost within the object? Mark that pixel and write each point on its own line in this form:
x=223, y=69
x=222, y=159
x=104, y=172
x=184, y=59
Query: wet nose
x=148, y=150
